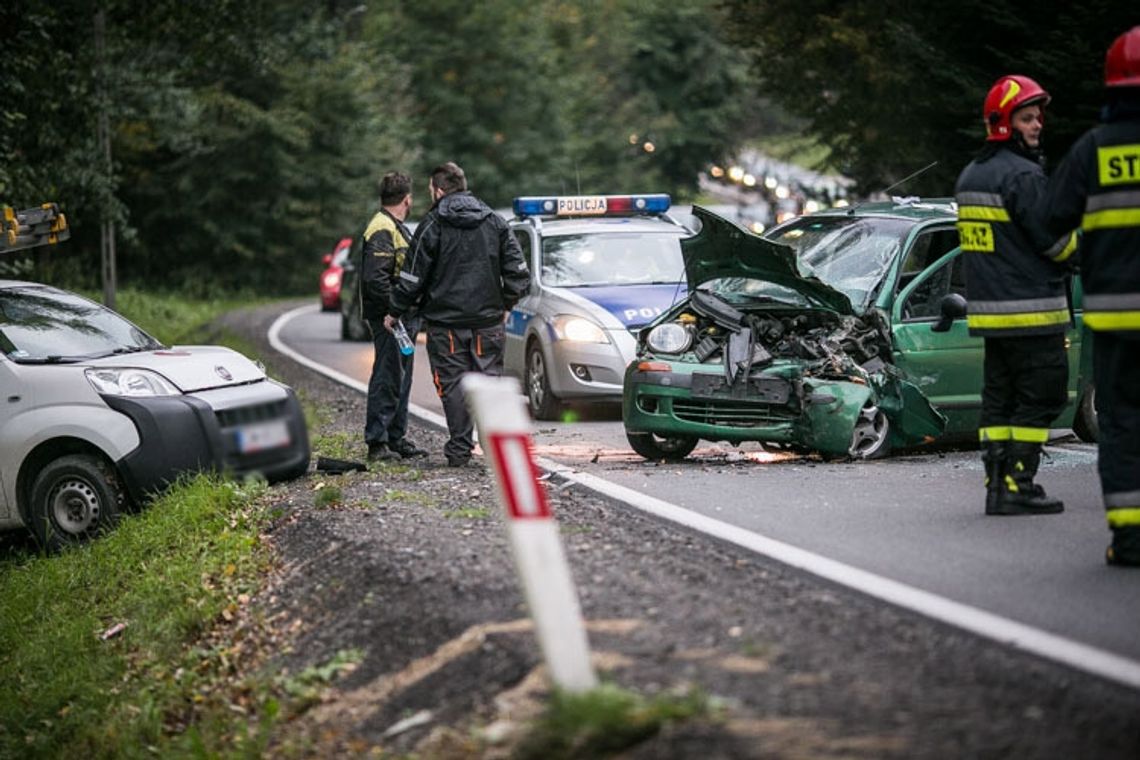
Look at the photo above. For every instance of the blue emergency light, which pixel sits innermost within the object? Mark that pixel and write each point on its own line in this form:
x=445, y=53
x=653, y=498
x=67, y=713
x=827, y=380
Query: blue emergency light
x=591, y=205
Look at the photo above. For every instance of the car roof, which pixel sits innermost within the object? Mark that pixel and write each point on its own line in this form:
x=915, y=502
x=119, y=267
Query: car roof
x=587, y=225
x=915, y=209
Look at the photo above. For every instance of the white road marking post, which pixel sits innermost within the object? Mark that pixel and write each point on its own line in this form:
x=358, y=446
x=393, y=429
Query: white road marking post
x=505, y=435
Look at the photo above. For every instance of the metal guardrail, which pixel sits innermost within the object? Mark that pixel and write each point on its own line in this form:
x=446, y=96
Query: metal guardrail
x=42, y=225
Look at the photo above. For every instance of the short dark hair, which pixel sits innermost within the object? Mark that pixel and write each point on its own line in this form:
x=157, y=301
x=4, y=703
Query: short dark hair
x=449, y=178
x=394, y=187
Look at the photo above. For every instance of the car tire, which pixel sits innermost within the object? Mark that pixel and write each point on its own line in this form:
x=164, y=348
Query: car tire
x=543, y=405
x=871, y=436
x=1085, y=423
x=652, y=446
x=73, y=499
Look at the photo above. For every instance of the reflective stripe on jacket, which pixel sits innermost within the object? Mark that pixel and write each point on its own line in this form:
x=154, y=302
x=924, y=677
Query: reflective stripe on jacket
x=1098, y=187
x=1015, y=283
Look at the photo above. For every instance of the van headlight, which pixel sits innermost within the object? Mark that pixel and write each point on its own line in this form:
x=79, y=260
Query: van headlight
x=130, y=381
x=579, y=330
x=669, y=338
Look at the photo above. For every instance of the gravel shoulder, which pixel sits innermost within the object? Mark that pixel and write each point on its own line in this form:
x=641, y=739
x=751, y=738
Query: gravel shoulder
x=411, y=568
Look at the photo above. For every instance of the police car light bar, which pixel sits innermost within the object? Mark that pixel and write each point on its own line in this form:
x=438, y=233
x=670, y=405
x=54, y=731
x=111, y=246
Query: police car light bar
x=591, y=205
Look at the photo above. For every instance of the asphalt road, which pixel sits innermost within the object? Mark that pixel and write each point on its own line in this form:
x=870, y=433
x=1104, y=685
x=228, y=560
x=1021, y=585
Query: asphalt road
x=913, y=519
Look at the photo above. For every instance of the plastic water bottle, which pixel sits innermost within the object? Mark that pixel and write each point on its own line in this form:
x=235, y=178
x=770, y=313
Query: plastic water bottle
x=407, y=347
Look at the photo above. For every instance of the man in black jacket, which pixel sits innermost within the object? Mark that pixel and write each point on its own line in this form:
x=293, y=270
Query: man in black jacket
x=1015, y=282
x=385, y=246
x=1098, y=187
x=464, y=273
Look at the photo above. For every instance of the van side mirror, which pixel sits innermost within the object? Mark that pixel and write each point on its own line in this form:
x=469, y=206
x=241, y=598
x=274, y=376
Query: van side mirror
x=951, y=307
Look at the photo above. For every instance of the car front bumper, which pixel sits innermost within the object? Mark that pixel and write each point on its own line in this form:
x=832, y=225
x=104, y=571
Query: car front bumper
x=590, y=370
x=203, y=432
x=778, y=406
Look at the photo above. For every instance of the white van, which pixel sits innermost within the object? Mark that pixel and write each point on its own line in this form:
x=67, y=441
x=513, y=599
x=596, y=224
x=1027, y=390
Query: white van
x=96, y=415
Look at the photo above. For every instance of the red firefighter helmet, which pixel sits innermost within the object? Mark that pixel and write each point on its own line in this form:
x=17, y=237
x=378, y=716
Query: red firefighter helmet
x=1122, y=63
x=1006, y=96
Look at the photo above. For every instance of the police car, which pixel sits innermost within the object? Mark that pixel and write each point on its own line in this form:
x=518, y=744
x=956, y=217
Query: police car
x=602, y=267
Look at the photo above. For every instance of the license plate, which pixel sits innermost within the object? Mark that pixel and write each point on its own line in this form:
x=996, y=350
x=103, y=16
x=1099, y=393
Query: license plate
x=582, y=205
x=263, y=435
x=768, y=390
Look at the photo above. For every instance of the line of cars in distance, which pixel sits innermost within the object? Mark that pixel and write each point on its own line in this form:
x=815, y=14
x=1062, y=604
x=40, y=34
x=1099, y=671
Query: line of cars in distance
x=815, y=335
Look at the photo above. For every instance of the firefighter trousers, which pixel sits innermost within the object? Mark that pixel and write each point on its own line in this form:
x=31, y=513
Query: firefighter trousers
x=453, y=352
x=1116, y=375
x=1025, y=387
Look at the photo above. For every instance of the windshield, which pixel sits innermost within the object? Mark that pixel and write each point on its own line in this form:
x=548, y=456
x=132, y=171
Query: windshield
x=44, y=324
x=618, y=258
x=847, y=253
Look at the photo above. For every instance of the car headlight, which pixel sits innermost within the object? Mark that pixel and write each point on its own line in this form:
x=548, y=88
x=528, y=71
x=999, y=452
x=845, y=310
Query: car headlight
x=579, y=330
x=130, y=381
x=669, y=338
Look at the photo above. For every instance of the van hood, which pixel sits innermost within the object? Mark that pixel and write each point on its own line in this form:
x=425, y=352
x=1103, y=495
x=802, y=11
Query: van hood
x=192, y=368
x=723, y=249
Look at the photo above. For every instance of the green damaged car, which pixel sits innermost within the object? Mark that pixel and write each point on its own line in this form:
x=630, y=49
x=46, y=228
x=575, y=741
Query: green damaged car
x=818, y=336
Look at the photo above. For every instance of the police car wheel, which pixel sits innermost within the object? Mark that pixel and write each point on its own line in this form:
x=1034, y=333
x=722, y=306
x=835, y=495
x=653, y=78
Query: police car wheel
x=543, y=404
x=653, y=446
x=1085, y=422
x=74, y=498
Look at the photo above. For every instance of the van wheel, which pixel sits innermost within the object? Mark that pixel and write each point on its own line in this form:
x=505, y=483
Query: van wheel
x=653, y=446
x=74, y=498
x=1085, y=424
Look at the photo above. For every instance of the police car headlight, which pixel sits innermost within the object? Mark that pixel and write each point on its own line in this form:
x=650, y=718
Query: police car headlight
x=579, y=330
x=130, y=382
x=669, y=338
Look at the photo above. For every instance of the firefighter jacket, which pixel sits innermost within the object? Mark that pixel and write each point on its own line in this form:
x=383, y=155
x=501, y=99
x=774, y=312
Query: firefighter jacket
x=1015, y=279
x=465, y=268
x=385, y=246
x=1098, y=187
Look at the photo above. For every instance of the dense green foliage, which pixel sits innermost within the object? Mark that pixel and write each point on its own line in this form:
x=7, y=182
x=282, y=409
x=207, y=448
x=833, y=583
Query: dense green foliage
x=247, y=136
x=891, y=86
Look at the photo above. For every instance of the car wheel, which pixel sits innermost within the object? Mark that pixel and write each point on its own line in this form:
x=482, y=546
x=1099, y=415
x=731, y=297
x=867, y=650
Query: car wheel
x=74, y=498
x=871, y=437
x=543, y=404
x=1085, y=423
x=653, y=446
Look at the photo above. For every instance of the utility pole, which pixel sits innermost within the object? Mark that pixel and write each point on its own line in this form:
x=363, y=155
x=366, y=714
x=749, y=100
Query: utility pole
x=107, y=223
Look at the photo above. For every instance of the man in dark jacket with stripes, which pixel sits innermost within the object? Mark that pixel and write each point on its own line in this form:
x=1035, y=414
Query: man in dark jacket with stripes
x=465, y=271
x=1017, y=290
x=1098, y=187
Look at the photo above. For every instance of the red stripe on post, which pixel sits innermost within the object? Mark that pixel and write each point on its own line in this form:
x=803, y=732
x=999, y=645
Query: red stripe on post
x=525, y=496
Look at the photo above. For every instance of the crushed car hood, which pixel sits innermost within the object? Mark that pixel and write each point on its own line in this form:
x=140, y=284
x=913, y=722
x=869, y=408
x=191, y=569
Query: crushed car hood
x=192, y=368
x=722, y=249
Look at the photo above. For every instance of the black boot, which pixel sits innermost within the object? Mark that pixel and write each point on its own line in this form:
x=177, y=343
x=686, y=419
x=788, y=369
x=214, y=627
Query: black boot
x=1125, y=547
x=993, y=459
x=1021, y=496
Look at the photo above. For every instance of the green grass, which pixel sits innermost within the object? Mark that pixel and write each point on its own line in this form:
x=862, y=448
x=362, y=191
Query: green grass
x=170, y=574
x=467, y=513
x=171, y=318
x=604, y=721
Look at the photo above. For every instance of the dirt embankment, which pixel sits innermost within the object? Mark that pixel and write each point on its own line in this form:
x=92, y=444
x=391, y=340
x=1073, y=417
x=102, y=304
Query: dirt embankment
x=411, y=568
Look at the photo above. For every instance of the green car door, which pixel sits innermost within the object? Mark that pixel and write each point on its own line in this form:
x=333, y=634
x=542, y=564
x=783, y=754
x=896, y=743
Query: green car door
x=947, y=366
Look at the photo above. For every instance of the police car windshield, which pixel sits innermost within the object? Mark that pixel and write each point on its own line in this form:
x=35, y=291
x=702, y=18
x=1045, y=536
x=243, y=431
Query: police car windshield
x=616, y=258
x=40, y=324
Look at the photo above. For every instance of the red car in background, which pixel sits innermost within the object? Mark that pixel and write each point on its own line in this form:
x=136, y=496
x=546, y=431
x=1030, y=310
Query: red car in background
x=333, y=275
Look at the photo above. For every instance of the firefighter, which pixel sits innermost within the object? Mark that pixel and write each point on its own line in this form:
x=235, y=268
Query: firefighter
x=1017, y=296
x=1098, y=187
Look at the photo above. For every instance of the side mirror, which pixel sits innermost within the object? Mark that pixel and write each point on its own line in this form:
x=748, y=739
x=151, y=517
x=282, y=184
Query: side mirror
x=326, y=259
x=952, y=306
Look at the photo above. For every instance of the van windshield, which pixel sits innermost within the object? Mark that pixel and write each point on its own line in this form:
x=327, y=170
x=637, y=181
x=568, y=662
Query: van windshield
x=41, y=324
